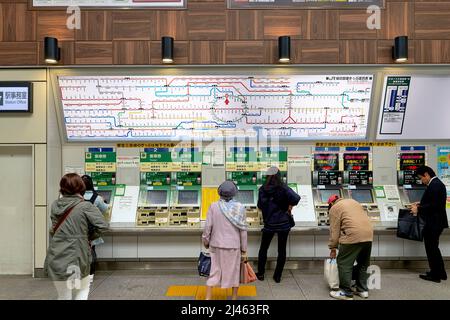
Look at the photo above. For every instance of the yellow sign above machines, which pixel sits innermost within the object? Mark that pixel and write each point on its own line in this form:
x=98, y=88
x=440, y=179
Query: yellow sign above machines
x=356, y=144
x=171, y=166
x=254, y=166
x=156, y=145
x=100, y=167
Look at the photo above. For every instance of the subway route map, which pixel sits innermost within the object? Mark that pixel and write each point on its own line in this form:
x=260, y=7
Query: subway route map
x=129, y=108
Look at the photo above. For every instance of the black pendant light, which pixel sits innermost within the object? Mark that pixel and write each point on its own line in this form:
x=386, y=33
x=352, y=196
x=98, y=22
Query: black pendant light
x=284, y=49
x=167, y=49
x=400, y=49
x=52, y=52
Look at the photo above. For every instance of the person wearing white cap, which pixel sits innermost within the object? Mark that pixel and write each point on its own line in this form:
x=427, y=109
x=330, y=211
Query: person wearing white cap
x=275, y=200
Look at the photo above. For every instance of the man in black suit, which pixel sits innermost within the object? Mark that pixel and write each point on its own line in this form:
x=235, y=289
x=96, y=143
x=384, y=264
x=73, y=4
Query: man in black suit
x=432, y=209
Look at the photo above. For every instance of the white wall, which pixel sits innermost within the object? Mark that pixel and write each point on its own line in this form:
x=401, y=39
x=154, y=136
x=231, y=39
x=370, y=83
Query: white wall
x=30, y=131
x=16, y=209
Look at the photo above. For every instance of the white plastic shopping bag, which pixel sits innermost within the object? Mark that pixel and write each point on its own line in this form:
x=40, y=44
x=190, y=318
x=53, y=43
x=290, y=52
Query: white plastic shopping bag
x=331, y=273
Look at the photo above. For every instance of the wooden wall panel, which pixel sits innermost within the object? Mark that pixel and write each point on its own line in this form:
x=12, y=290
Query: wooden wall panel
x=397, y=20
x=180, y=52
x=18, y=53
x=208, y=33
x=206, y=52
x=18, y=23
x=2, y=19
x=207, y=21
x=244, y=52
x=384, y=53
x=320, y=51
x=291, y=23
x=432, y=51
x=67, y=53
x=25, y=23
x=323, y=25
x=245, y=25
x=134, y=25
x=95, y=26
x=358, y=51
x=172, y=24
x=53, y=24
x=432, y=20
x=94, y=52
x=353, y=25
x=131, y=52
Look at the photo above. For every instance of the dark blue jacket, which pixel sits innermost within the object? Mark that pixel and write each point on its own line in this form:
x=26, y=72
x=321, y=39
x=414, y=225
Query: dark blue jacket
x=432, y=206
x=274, y=203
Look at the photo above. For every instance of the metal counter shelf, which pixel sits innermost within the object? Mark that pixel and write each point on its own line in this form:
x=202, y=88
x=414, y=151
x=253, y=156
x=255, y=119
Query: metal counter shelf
x=319, y=230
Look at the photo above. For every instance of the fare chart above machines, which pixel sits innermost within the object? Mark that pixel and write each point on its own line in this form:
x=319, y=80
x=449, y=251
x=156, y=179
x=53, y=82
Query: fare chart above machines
x=111, y=3
x=137, y=108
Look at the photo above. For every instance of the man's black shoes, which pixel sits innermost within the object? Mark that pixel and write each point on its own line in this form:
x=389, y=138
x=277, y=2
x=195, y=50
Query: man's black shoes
x=429, y=278
x=259, y=276
x=444, y=277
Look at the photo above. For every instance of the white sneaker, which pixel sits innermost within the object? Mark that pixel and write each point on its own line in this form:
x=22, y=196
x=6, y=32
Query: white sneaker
x=362, y=294
x=340, y=295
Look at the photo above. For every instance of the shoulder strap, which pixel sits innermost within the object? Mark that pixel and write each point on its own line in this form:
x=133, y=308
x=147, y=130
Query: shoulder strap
x=63, y=218
x=93, y=198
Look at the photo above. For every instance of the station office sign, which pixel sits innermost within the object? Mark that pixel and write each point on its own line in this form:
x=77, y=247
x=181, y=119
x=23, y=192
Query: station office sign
x=303, y=4
x=160, y=4
x=16, y=97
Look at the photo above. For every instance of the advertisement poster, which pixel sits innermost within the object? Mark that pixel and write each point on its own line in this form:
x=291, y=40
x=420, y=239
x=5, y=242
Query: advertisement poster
x=326, y=161
x=443, y=169
x=356, y=161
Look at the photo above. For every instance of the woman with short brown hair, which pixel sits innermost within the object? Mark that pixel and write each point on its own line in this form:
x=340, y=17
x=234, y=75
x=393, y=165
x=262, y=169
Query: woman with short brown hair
x=69, y=254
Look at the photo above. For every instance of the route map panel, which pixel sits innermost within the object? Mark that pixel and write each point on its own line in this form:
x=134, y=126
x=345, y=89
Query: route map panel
x=130, y=108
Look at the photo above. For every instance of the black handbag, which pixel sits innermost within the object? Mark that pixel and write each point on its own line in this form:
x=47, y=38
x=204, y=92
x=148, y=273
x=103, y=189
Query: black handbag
x=291, y=220
x=204, y=265
x=409, y=226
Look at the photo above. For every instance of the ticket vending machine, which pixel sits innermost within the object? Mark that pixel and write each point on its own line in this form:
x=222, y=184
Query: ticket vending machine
x=100, y=164
x=326, y=180
x=155, y=182
x=358, y=180
x=273, y=157
x=241, y=167
x=410, y=186
x=247, y=167
x=185, y=201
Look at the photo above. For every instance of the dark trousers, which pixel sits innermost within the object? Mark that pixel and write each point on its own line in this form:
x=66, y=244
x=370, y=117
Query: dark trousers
x=431, y=240
x=265, y=243
x=94, y=259
x=348, y=254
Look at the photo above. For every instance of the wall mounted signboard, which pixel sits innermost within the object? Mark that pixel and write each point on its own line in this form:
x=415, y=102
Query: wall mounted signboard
x=415, y=107
x=16, y=97
x=298, y=107
x=394, y=106
x=303, y=4
x=171, y=4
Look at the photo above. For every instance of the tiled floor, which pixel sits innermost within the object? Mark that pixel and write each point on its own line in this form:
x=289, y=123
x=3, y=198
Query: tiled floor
x=153, y=284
